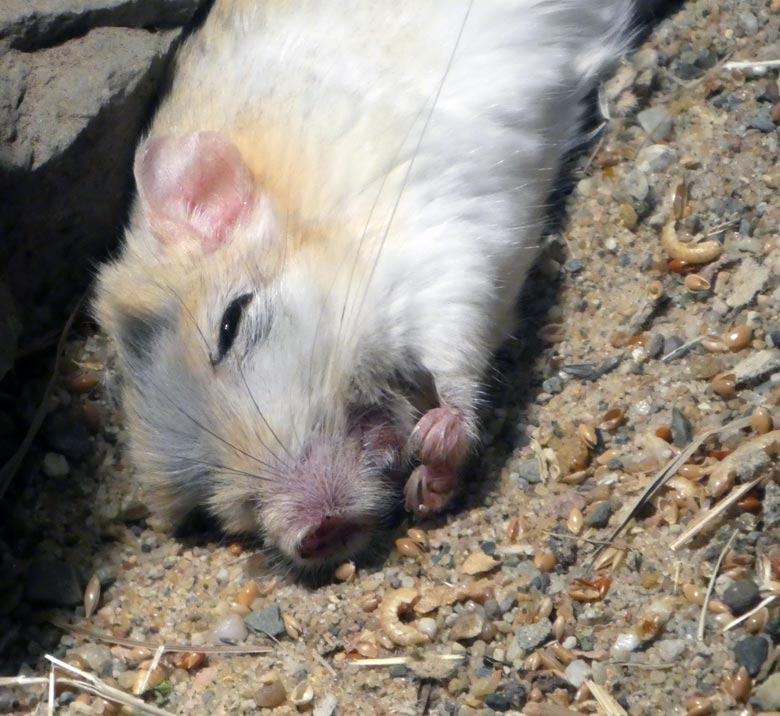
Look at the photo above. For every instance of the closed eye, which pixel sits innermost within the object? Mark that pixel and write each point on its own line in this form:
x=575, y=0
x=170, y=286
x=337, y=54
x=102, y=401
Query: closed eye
x=229, y=326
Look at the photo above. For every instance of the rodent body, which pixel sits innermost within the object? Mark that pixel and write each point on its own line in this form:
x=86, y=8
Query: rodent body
x=337, y=205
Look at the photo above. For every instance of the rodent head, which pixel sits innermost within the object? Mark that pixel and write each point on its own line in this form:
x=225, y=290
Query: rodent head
x=250, y=389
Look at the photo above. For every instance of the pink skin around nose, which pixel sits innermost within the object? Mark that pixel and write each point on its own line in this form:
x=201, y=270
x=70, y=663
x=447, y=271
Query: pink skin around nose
x=332, y=536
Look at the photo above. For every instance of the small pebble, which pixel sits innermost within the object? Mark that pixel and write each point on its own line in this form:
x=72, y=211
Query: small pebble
x=231, y=629
x=266, y=621
x=768, y=693
x=270, y=692
x=577, y=672
x=598, y=515
x=656, y=121
x=529, y=636
x=497, y=702
x=741, y=595
x=751, y=652
x=55, y=465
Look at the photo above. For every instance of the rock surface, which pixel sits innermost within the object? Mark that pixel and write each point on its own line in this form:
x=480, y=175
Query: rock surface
x=76, y=81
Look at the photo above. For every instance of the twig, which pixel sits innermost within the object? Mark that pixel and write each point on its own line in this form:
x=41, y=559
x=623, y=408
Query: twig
x=710, y=515
x=155, y=663
x=396, y=660
x=680, y=350
x=136, y=643
x=605, y=699
x=8, y=471
x=765, y=602
x=711, y=586
x=751, y=65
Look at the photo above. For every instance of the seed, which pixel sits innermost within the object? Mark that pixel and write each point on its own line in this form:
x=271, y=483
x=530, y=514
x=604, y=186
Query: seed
x=345, y=572
x=698, y=706
x=367, y=650
x=761, y=420
x=679, y=266
x=665, y=433
x=248, y=593
x=725, y=385
x=691, y=472
x=532, y=662
x=612, y=420
x=756, y=623
x=628, y=216
x=545, y=561
x=515, y=530
x=695, y=283
x=302, y=694
x=190, y=660
x=408, y=547
x=559, y=628
x=680, y=201
x=369, y=602
x=720, y=482
x=235, y=549
x=418, y=536
x=655, y=291
x=749, y=503
x=693, y=594
x=142, y=684
x=91, y=596
x=544, y=609
x=83, y=382
x=270, y=693
x=718, y=607
x=713, y=344
x=291, y=626
x=575, y=521
x=587, y=433
x=737, y=338
x=741, y=685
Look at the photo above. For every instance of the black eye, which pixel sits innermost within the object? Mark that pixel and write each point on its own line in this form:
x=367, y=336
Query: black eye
x=229, y=325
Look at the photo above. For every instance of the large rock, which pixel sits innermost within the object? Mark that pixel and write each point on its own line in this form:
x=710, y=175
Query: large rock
x=77, y=80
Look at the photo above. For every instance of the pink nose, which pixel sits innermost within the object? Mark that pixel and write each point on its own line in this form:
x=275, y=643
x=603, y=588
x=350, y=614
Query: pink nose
x=331, y=536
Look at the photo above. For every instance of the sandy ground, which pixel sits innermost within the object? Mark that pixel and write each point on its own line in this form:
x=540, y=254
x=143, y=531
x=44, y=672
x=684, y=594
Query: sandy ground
x=626, y=358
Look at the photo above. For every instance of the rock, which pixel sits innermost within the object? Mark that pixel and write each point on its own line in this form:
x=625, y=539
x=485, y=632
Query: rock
x=266, y=621
x=757, y=366
x=98, y=656
x=76, y=81
x=771, y=506
x=671, y=649
x=55, y=465
x=529, y=636
x=682, y=430
x=599, y=514
x=656, y=121
x=768, y=694
x=576, y=672
x=498, y=702
x=231, y=629
x=64, y=434
x=655, y=158
x=762, y=121
x=468, y=625
x=53, y=582
x=751, y=652
x=529, y=471
x=327, y=705
x=747, y=281
x=741, y=595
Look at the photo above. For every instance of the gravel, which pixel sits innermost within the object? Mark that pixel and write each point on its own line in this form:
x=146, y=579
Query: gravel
x=541, y=615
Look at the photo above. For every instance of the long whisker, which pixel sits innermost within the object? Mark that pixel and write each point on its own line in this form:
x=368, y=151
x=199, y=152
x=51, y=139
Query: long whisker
x=265, y=420
x=216, y=466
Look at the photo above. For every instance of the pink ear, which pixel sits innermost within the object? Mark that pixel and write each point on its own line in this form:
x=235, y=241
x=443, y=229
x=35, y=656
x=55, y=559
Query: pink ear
x=194, y=186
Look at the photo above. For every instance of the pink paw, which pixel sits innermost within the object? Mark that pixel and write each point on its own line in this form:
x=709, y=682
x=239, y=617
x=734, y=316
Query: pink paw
x=430, y=489
x=441, y=437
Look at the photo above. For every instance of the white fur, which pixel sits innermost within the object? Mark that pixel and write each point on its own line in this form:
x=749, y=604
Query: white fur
x=426, y=135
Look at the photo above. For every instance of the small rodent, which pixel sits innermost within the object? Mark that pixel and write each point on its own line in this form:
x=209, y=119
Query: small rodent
x=337, y=204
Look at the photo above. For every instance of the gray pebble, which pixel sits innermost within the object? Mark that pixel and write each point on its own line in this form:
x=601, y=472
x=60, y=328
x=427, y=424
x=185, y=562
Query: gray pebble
x=266, y=621
x=682, y=430
x=748, y=22
x=231, y=629
x=65, y=435
x=758, y=366
x=398, y=671
x=768, y=694
x=599, y=515
x=672, y=343
x=770, y=508
x=51, y=581
x=55, y=465
x=741, y=595
x=577, y=671
x=655, y=158
x=751, y=652
x=573, y=265
x=552, y=385
x=655, y=347
x=762, y=121
x=530, y=636
x=529, y=470
x=656, y=121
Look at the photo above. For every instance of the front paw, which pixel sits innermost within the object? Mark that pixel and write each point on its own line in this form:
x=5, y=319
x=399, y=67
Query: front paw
x=442, y=436
x=430, y=488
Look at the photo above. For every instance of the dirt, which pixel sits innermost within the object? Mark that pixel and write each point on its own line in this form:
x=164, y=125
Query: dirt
x=625, y=358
